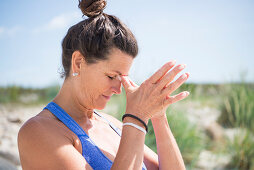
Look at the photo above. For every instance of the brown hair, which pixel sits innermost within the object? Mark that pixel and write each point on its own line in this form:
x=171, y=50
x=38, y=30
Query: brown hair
x=95, y=36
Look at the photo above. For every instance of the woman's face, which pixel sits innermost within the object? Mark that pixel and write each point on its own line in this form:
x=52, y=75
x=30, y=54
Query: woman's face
x=99, y=81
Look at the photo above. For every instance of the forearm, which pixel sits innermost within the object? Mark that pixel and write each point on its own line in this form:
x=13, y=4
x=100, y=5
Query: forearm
x=167, y=149
x=131, y=149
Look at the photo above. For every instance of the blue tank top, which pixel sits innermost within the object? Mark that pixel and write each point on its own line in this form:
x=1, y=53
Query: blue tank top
x=92, y=154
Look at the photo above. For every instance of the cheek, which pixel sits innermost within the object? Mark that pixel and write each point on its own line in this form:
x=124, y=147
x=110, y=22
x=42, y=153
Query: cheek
x=102, y=82
x=93, y=87
x=104, y=85
x=98, y=87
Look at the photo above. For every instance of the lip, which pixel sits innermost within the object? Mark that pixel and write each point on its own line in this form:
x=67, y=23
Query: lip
x=107, y=97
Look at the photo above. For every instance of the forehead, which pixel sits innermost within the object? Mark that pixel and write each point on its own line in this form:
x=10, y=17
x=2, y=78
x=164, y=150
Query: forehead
x=118, y=61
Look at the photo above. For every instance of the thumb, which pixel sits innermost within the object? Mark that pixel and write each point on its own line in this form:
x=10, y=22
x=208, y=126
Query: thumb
x=126, y=83
x=132, y=83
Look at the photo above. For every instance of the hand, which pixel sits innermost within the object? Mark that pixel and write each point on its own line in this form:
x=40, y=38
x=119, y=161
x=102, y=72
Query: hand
x=152, y=98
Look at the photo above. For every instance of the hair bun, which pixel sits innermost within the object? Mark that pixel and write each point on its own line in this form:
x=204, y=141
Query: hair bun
x=92, y=8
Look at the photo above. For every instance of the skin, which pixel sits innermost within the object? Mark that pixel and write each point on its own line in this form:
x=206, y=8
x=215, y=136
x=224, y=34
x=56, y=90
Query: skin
x=46, y=143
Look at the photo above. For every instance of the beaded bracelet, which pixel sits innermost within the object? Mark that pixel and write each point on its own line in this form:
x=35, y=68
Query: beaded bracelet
x=137, y=118
x=136, y=126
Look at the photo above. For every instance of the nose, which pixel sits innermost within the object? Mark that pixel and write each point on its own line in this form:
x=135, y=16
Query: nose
x=117, y=88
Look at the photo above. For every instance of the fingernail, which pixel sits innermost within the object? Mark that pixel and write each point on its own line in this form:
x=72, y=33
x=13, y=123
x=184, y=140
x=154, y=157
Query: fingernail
x=182, y=66
x=183, y=76
x=119, y=78
x=173, y=61
x=188, y=74
x=187, y=93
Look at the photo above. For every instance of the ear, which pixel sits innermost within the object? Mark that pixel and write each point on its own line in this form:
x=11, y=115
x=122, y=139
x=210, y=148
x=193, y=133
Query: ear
x=76, y=61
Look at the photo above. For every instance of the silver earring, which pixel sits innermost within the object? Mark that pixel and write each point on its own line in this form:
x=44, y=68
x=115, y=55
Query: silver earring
x=74, y=74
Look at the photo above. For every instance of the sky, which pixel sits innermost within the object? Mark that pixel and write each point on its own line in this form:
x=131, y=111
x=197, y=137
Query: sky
x=214, y=38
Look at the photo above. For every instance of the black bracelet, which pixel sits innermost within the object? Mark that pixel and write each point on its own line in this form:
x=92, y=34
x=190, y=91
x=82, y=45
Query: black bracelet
x=137, y=118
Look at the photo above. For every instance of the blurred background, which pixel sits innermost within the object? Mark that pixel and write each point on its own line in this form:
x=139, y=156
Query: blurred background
x=214, y=126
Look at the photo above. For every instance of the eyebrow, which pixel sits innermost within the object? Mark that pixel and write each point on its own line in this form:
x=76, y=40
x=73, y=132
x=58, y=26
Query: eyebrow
x=119, y=73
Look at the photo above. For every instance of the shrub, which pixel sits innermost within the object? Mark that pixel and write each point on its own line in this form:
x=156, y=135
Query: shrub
x=237, y=109
x=241, y=150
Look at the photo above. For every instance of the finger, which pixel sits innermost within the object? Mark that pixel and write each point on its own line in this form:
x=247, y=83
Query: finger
x=175, y=85
x=172, y=99
x=169, y=77
x=156, y=77
x=132, y=82
x=126, y=84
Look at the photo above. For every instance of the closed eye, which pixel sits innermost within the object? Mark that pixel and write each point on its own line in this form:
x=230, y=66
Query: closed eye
x=112, y=77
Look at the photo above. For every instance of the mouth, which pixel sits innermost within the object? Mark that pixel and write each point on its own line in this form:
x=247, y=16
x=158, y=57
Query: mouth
x=107, y=97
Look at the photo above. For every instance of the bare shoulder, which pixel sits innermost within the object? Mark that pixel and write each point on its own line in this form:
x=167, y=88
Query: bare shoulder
x=42, y=143
x=33, y=128
x=39, y=127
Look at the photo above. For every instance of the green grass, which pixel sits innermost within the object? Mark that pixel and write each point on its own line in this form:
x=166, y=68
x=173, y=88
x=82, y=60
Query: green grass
x=237, y=111
x=242, y=150
x=238, y=106
x=14, y=94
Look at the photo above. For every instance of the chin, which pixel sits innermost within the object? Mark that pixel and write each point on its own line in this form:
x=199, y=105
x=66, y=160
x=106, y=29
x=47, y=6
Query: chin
x=101, y=106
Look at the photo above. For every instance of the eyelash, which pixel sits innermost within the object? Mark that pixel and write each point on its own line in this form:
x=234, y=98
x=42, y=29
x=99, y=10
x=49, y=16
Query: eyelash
x=111, y=77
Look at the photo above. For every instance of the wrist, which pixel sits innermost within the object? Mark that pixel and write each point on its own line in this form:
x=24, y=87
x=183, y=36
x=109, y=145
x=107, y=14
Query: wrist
x=138, y=114
x=137, y=119
x=131, y=120
x=159, y=118
x=160, y=123
x=135, y=126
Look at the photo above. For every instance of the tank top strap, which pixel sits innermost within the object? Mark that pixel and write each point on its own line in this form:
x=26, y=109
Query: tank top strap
x=93, y=155
x=116, y=129
x=66, y=119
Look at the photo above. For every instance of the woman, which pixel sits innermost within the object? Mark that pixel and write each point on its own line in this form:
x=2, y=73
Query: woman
x=68, y=134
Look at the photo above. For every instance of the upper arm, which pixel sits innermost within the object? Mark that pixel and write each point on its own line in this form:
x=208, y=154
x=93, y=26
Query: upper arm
x=150, y=157
x=42, y=148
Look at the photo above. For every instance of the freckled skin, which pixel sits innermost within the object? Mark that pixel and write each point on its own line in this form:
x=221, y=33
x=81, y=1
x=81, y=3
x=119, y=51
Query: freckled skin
x=94, y=81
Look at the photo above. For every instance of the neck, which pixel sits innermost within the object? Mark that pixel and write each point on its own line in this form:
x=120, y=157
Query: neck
x=67, y=100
